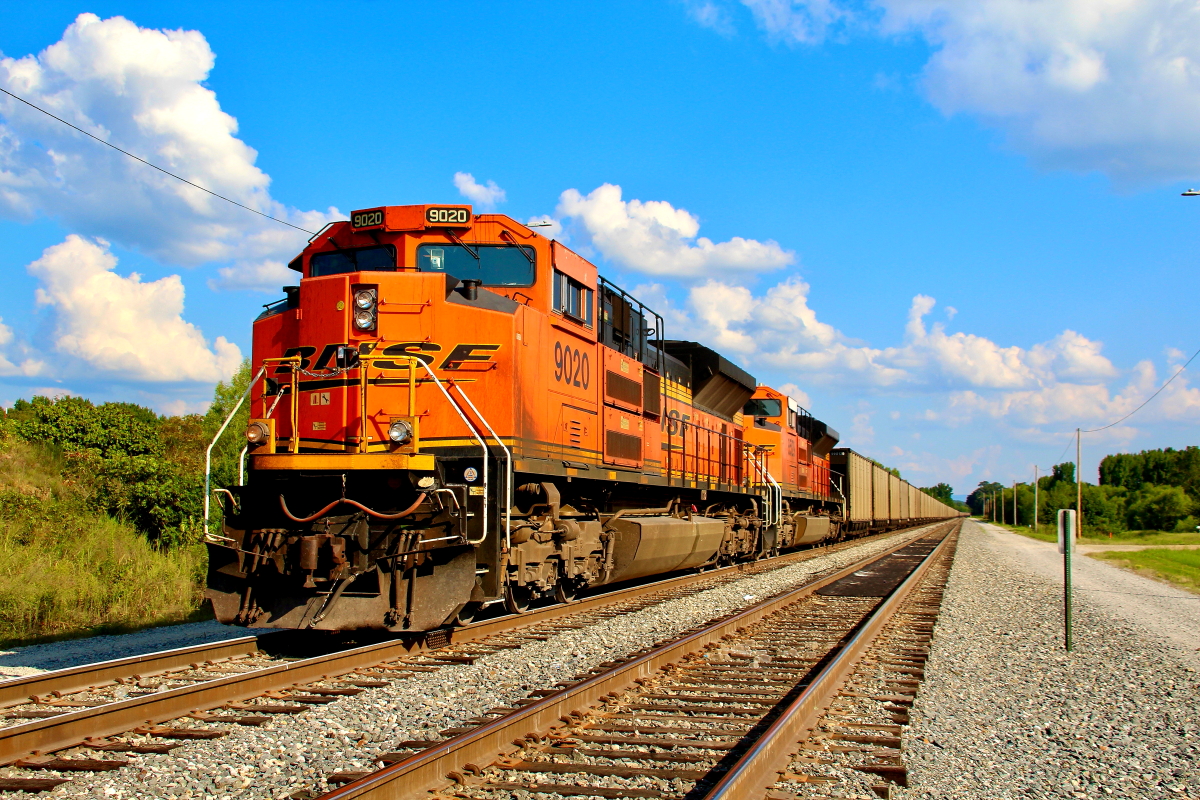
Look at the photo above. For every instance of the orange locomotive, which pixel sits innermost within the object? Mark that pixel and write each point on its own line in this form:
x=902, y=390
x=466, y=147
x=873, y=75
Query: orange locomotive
x=452, y=411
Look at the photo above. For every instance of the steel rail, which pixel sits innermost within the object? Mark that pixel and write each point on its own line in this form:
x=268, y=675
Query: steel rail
x=73, y=727
x=20, y=690
x=758, y=768
x=17, y=691
x=429, y=770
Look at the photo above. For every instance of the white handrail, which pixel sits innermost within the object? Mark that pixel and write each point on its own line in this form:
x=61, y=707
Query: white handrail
x=508, y=475
x=777, y=502
x=478, y=438
x=774, y=510
x=212, y=444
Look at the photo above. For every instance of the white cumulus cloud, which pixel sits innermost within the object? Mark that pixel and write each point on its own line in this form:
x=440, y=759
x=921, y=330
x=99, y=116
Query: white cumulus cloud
x=267, y=275
x=142, y=90
x=487, y=196
x=119, y=326
x=655, y=238
x=1065, y=379
x=797, y=21
x=779, y=328
x=796, y=393
x=12, y=352
x=1109, y=85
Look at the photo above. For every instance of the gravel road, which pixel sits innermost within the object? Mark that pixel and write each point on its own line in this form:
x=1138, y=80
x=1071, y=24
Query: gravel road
x=292, y=753
x=1005, y=712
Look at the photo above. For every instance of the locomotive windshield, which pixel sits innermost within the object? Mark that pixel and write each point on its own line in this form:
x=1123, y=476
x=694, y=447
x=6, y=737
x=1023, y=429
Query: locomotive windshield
x=493, y=265
x=763, y=407
x=362, y=259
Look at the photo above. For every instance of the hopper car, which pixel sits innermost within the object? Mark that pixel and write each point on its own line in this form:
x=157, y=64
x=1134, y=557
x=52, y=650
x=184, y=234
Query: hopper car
x=451, y=412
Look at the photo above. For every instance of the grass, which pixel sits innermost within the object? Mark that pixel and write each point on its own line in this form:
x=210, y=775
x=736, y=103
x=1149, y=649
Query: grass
x=66, y=570
x=1178, y=567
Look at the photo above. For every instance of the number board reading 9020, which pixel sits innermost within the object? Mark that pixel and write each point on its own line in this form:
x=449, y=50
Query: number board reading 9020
x=366, y=219
x=441, y=216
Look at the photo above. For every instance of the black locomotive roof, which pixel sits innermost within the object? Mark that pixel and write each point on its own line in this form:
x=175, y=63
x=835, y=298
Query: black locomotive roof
x=706, y=362
x=718, y=385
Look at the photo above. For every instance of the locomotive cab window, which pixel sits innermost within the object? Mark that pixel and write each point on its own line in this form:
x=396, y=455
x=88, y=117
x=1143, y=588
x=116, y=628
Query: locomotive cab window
x=763, y=407
x=572, y=299
x=492, y=265
x=360, y=259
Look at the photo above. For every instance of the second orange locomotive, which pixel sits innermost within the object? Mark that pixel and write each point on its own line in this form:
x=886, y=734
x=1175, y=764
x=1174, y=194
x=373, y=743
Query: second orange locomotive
x=452, y=411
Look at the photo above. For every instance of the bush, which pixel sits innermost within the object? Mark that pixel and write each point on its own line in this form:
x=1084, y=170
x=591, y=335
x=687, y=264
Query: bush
x=1187, y=525
x=66, y=569
x=1157, y=508
x=137, y=467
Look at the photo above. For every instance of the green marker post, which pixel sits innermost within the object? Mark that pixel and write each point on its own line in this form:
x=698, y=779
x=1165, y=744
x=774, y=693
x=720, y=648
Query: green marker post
x=1066, y=541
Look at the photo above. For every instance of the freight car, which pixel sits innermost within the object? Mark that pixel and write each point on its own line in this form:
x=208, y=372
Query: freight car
x=451, y=411
x=876, y=499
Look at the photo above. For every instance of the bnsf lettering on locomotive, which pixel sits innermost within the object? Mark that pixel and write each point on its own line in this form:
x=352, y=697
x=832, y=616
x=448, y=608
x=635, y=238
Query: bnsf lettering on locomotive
x=465, y=352
x=571, y=366
x=367, y=219
x=305, y=354
x=423, y=351
x=447, y=216
x=420, y=350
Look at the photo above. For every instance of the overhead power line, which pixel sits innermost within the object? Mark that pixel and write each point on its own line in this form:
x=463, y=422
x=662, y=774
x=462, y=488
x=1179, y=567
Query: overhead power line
x=155, y=166
x=1148, y=399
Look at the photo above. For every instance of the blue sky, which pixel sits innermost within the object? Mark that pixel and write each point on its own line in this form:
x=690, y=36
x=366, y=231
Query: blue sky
x=953, y=231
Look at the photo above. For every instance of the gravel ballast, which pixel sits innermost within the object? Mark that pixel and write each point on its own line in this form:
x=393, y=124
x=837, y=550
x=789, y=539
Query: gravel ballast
x=1005, y=712
x=294, y=753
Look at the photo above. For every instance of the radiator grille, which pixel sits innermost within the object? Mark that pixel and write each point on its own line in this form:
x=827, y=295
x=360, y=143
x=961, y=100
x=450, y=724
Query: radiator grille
x=620, y=388
x=651, y=384
x=623, y=446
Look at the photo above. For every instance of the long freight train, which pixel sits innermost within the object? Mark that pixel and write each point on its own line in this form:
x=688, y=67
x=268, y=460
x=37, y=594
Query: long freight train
x=451, y=411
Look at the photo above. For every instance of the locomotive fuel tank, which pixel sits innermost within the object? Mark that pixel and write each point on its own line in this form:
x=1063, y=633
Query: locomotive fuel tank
x=654, y=544
x=811, y=529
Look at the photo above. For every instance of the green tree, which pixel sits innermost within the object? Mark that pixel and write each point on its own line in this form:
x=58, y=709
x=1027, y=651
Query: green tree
x=134, y=465
x=1157, y=508
x=943, y=492
x=978, y=499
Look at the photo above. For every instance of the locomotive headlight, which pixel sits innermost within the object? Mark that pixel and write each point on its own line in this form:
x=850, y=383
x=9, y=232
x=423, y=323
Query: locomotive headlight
x=364, y=319
x=257, y=433
x=364, y=299
x=400, y=431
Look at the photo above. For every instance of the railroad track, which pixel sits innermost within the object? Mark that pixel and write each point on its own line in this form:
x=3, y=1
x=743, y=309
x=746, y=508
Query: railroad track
x=722, y=712
x=91, y=704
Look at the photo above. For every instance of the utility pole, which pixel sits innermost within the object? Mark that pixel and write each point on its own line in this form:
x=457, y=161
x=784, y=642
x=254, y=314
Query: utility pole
x=1078, y=486
x=1014, y=503
x=1035, y=498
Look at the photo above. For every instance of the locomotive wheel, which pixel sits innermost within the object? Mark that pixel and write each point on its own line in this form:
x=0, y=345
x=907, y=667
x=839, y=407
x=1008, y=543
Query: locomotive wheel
x=517, y=599
x=565, y=592
x=468, y=614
